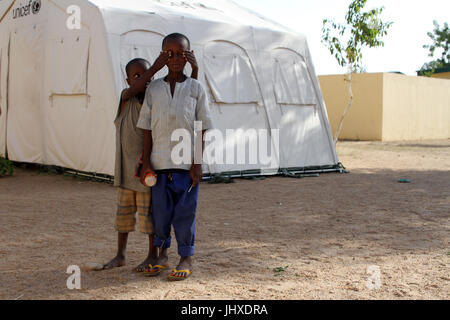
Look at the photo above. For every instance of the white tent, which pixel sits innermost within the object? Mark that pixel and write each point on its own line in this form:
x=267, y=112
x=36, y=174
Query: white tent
x=59, y=85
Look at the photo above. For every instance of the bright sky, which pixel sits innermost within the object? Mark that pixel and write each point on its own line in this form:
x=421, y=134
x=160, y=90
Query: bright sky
x=403, y=49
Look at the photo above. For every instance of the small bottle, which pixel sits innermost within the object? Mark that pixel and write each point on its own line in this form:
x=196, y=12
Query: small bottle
x=150, y=178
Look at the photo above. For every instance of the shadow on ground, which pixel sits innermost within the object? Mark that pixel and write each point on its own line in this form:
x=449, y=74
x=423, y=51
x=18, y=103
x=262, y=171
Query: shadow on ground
x=245, y=229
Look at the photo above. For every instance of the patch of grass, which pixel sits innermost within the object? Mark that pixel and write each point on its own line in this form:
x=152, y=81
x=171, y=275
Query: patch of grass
x=279, y=270
x=6, y=167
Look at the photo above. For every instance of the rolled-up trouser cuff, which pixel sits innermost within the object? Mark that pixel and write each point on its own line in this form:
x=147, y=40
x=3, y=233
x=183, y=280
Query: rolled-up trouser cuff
x=157, y=242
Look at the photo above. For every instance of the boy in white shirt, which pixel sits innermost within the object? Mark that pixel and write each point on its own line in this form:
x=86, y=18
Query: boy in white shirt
x=172, y=103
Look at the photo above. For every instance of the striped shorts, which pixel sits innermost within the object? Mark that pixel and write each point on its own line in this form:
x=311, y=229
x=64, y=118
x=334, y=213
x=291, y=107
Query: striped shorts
x=128, y=203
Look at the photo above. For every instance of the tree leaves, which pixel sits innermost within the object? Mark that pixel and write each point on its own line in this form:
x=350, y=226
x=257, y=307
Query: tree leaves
x=362, y=29
x=441, y=41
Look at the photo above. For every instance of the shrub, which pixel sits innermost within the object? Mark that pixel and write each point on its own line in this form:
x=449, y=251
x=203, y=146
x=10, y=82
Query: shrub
x=6, y=167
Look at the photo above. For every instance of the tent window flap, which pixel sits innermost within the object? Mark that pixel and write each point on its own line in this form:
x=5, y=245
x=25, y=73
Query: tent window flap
x=67, y=65
x=231, y=79
x=292, y=83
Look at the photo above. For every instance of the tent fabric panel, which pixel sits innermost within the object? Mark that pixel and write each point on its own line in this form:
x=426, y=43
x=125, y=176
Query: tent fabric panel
x=119, y=22
x=3, y=96
x=330, y=147
x=212, y=11
x=307, y=93
x=292, y=83
x=306, y=144
x=298, y=53
x=59, y=51
x=79, y=130
x=231, y=79
x=24, y=129
x=4, y=5
x=80, y=138
x=240, y=120
x=69, y=119
x=285, y=84
x=289, y=118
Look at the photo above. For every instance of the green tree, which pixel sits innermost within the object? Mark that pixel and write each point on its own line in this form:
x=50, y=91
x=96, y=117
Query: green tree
x=345, y=41
x=441, y=42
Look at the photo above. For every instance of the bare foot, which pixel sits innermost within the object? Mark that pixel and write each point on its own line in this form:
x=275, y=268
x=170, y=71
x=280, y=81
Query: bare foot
x=160, y=264
x=149, y=261
x=118, y=261
x=185, y=264
x=162, y=260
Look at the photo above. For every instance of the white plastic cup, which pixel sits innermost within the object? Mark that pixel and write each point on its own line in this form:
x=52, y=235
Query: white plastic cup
x=150, y=179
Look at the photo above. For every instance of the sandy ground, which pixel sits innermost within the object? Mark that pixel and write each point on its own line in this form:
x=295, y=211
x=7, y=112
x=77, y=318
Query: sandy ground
x=326, y=230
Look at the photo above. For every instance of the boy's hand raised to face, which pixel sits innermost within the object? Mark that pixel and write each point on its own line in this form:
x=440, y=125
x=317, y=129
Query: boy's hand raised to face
x=196, y=174
x=190, y=57
x=162, y=60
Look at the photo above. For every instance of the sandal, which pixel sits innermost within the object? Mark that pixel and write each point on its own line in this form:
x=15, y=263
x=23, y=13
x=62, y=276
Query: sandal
x=155, y=270
x=173, y=276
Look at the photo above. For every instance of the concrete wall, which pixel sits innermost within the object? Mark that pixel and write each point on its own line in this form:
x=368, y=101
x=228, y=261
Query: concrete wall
x=415, y=108
x=389, y=106
x=364, y=120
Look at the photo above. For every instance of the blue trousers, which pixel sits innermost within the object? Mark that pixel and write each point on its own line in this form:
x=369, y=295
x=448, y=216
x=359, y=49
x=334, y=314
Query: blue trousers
x=173, y=204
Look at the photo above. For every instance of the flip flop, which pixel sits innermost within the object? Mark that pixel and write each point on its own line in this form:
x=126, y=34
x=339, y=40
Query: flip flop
x=173, y=277
x=154, y=270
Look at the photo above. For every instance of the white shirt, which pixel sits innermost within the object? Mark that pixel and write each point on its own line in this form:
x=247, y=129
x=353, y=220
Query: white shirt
x=163, y=114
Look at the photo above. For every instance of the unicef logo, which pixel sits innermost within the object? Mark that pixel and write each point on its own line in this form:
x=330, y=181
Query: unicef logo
x=36, y=6
x=33, y=7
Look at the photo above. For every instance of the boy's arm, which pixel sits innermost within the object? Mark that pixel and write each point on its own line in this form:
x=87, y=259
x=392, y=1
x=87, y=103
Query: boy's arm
x=122, y=102
x=202, y=110
x=194, y=74
x=203, y=114
x=196, y=172
x=190, y=57
x=141, y=83
x=145, y=123
x=147, y=151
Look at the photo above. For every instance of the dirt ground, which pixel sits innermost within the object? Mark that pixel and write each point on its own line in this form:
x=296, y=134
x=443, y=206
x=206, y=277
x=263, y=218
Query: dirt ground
x=327, y=231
